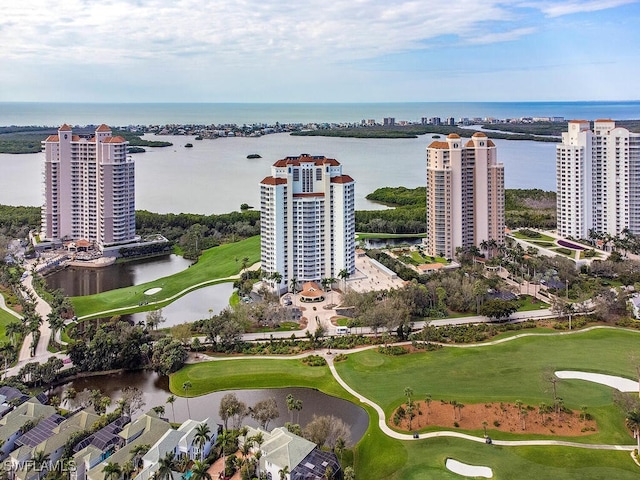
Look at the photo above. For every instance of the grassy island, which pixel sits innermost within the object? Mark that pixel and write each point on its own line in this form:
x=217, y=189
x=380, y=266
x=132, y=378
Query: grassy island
x=214, y=266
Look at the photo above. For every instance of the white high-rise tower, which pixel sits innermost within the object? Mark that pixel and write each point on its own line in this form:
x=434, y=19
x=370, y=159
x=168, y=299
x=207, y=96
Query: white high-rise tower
x=598, y=179
x=307, y=223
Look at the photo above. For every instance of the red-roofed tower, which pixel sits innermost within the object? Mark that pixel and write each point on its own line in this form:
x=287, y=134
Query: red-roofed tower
x=307, y=219
x=89, y=189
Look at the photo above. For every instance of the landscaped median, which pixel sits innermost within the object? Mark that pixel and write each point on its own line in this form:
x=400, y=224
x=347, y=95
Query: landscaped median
x=215, y=265
x=516, y=369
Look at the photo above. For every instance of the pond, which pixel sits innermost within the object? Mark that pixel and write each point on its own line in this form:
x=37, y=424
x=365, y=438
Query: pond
x=193, y=306
x=155, y=389
x=75, y=281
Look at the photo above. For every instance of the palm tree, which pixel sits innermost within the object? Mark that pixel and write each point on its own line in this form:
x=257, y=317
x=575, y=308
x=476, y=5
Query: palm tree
x=159, y=409
x=199, y=471
x=186, y=386
x=165, y=466
x=171, y=400
x=632, y=421
x=70, y=395
x=224, y=439
x=339, y=447
x=245, y=263
x=7, y=350
x=291, y=405
x=13, y=329
x=408, y=392
x=343, y=275
x=112, y=471
x=127, y=470
x=39, y=462
x=276, y=277
x=283, y=472
x=202, y=436
x=331, y=280
x=138, y=452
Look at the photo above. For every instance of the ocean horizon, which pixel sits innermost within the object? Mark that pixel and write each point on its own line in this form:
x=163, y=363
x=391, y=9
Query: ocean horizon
x=52, y=114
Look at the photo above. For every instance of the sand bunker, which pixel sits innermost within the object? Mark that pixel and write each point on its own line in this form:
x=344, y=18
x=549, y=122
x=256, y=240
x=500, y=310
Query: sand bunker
x=152, y=291
x=468, y=470
x=619, y=383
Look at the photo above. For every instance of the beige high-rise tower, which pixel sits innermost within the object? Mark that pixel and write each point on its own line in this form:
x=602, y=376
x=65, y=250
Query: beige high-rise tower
x=89, y=188
x=465, y=194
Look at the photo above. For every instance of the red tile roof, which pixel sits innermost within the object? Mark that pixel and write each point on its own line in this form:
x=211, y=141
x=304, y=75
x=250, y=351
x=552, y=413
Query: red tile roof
x=296, y=161
x=604, y=120
x=114, y=140
x=342, y=179
x=103, y=128
x=273, y=181
x=453, y=135
x=437, y=144
x=52, y=138
x=479, y=134
x=65, y=128
x=490, y=143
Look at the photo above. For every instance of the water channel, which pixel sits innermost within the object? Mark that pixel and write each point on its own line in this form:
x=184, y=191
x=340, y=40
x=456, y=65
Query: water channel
x=155, y=390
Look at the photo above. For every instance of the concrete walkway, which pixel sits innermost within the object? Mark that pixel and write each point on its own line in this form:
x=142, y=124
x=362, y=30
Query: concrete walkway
x=4, y=307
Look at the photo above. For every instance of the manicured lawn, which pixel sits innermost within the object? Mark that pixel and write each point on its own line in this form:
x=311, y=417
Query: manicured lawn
x=427, y=460
x=541, y=238
x=217, y=262
x=5, y=318
x=505, y=373
x=254, y=373
x=527, y=303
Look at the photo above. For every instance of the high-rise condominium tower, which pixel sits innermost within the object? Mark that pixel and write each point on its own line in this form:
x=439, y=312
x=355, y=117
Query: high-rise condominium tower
x=465, y=194
x=307, y=222
x=598, y=179
x=89, y=189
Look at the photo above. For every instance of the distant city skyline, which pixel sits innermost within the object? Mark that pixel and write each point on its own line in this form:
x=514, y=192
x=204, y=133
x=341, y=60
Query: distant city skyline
x=345, y=51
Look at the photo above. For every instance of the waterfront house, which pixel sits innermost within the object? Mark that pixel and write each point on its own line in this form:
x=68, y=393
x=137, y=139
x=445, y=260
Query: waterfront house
x=49, y=437
x=147, y=429
x=180, y=442
x=302, y=458
x=12, y=424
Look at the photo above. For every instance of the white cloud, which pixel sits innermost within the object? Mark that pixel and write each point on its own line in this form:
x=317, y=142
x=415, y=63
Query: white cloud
x=231, y=32
x=560, y=8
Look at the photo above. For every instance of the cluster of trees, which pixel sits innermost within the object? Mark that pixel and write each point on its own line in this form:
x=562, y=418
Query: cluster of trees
x=16, y=222
x=194, y=232
x=113, y=345
x=624, y=242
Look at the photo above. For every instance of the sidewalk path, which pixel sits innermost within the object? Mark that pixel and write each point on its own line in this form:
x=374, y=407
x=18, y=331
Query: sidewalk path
x=4, y=307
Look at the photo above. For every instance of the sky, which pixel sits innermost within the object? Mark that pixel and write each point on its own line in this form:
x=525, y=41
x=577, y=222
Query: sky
x=319, y=51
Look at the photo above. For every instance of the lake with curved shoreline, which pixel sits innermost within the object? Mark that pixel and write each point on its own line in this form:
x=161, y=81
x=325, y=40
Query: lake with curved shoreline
x=155, y=390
